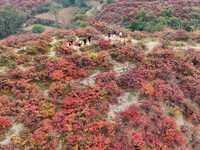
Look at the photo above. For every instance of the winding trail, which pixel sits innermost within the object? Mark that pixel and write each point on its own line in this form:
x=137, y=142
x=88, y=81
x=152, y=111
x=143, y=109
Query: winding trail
x=52, y=52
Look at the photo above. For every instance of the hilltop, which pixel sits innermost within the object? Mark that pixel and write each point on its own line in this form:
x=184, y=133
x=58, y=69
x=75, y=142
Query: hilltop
x=104, y=95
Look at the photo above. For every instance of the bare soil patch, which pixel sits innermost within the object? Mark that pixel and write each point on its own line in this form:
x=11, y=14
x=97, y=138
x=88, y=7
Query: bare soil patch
x=66, y=15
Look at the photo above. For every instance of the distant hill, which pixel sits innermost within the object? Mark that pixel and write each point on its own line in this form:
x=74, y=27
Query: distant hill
x=26, y=5
x=176, y=14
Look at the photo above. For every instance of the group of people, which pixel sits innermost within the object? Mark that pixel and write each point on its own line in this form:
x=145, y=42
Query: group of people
x=114, y=33
x=89, y=39
x=80, y=42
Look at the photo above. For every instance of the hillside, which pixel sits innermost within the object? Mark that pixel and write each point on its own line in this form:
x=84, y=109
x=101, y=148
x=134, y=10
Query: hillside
x=105, y=95
x=152, y=15
x=26, y=5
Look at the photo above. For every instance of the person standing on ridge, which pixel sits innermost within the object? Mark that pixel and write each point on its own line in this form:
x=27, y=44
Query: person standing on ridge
x=89, y=38
x=109, y=34
x=71, y=42
x=114, y=33
x=79, y=43
x=85, y=41
x=120, y=34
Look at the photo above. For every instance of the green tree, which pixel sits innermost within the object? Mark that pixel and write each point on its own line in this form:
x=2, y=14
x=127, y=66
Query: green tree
x=137, y=24
x=81, y=24
x=175, y=23
x=80, y=3
x=161, y=20
x=167, y=11
x=110, y=1
x=54, y=9
x=157, y=27
x=38, y=28
x=65, y=3
x=125, y=18
x=10, y=20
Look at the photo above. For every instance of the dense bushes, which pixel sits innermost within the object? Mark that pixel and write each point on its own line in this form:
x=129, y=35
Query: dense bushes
x=157, y=100
x=25, y=5
x=155, y=14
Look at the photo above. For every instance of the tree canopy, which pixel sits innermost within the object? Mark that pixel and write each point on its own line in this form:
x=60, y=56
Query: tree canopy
x=10, y=20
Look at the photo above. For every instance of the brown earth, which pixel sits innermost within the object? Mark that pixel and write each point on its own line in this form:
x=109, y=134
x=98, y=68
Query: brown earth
x=66, y=15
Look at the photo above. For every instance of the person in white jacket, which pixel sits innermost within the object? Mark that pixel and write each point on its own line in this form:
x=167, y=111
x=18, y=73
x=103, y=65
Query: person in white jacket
x=79, y=43
x=120, y=34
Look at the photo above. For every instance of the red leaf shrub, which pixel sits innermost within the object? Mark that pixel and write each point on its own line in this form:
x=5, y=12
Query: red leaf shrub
x=63, y=50
x=182, y=35
x=104, y=61
x=85, y=32
x=121, y=53
x=62, y=34
x=25, y=39
x=190, y=87
x=4, y=105
x=105, y=78
x=132, y=118
x=45, y=136
x=25, y=5
x=133, y=79
x=4, y=124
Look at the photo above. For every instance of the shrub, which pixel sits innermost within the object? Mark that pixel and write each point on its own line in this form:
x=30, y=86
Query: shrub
x=38, y=28
x=110, y=1
x=4, y=124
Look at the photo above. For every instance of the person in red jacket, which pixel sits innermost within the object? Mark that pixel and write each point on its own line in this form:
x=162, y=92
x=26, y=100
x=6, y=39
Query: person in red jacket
x=71, y=42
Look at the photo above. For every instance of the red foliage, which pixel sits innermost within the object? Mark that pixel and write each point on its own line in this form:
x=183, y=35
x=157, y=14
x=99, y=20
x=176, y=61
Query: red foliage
x=104, y=61
x=25, y=5
x=114, y=12
x=133, y=79
x=60, y=34
x=4, y=105
x=133, y=118
x=85, y=32
x=25, y=39
x=121, y=53
x=53, y=105
x=63, y=50
x=190, y=87
x=45, y=136
x=182, y=35
x=105, y=78
x=4, y=124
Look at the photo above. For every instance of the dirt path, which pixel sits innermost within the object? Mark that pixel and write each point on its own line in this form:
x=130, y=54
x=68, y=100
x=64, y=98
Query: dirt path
x=90, y=80
x=121, y=68
x=151, y=46
x=187, y=47
x=52, y=52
